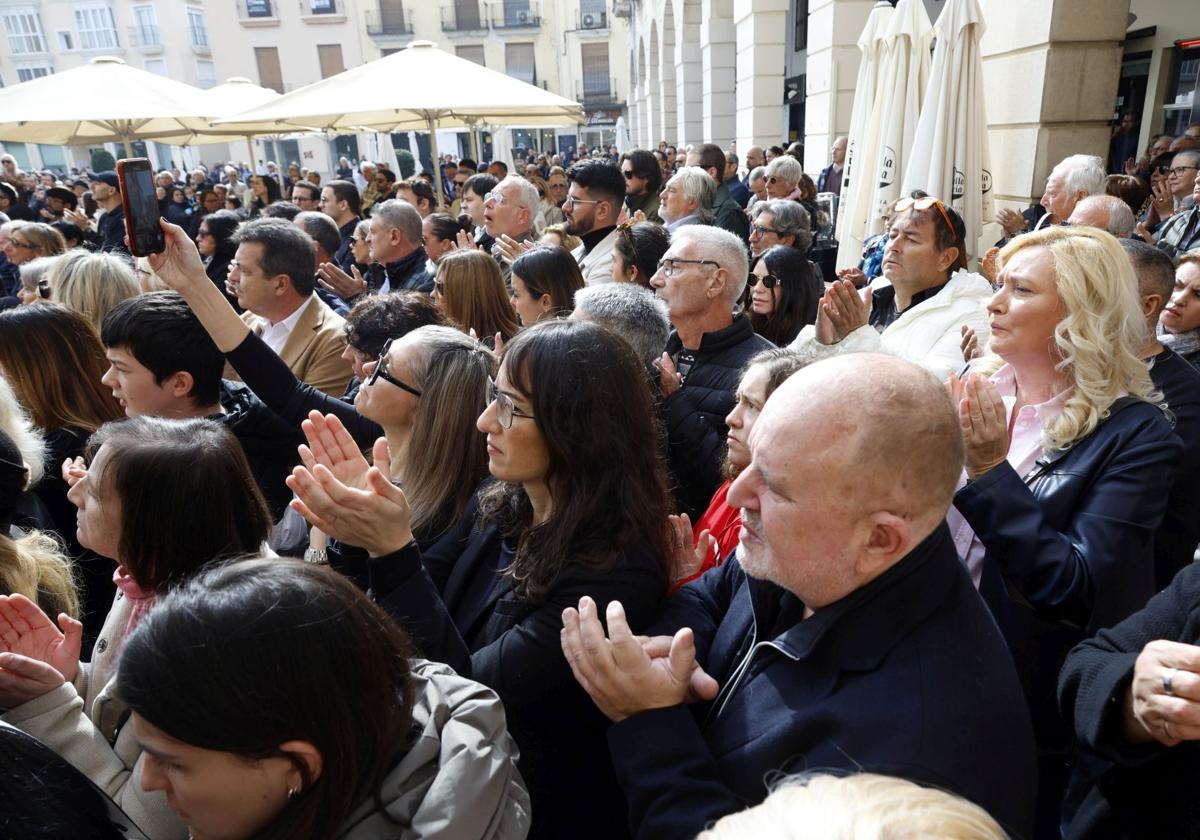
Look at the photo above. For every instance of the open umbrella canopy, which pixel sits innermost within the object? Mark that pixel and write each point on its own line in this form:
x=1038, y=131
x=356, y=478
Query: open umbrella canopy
x=103, y=101
x=950, y=151
x=411, y=89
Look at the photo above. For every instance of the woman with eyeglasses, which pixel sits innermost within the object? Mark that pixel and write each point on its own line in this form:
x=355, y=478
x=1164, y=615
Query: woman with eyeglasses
x=637, y=251
x=544, y=282
x=33, y=240
x=783, y=294
x=470, y=290
x=578, y=507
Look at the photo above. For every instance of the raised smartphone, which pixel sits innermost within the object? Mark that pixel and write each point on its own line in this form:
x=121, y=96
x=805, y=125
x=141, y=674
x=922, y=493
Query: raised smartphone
x=140, y=201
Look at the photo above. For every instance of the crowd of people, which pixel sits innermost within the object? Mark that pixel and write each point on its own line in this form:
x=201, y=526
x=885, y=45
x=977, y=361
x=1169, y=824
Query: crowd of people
x=587, y=501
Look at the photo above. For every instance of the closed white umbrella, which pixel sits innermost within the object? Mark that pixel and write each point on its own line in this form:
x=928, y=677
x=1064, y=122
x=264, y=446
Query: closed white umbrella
x=102, y=101
x=420, y=87
x=862, y=141
x=903, y=75
x=950, y=151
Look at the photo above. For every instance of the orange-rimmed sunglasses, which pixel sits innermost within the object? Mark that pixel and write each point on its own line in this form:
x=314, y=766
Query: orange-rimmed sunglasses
x=906, y=204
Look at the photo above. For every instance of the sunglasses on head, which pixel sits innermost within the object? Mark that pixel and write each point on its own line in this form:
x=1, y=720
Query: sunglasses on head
x=906, y=204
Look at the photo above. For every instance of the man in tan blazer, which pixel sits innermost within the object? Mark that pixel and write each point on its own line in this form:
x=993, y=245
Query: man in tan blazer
x=272, y=276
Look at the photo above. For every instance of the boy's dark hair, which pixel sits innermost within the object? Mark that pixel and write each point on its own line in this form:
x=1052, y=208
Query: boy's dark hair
x=160, y=330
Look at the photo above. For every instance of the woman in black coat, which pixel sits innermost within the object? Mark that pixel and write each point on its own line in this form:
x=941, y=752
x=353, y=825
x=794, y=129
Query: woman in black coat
x=577, y=508
x=1132, y=695
x=1068, y=464
x=214, y=240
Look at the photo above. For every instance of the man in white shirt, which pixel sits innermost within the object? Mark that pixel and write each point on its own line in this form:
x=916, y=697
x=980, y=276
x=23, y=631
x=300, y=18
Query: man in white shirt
x=272, y=277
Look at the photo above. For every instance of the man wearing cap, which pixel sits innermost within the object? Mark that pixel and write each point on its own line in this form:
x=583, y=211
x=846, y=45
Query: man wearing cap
x=108, y=231
x=58, y=200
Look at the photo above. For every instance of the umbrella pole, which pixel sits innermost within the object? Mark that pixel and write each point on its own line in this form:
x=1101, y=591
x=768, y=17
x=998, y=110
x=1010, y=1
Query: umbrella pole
x=433, y=152
x=250, y=148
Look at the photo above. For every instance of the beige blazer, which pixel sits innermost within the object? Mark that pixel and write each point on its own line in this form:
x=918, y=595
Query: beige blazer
x=597, y=266
x=314, y=349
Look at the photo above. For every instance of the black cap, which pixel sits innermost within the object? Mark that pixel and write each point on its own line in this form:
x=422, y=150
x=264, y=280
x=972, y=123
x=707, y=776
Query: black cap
x=14, y=477
x=69, y=198
x=108, y=177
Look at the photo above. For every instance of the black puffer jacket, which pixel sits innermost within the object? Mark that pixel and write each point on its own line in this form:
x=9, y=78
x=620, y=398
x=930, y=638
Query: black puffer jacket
x=695, y=414
x=268, y=441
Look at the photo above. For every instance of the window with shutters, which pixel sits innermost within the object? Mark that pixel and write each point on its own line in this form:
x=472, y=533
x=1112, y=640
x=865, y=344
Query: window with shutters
x=206, y=74
x=471, y=52
x=196, y=27
x=518, y=62
x=96, y=29
x=24, y=74
x=269, y=74
x=330, y=56
x=595, y=70
x=24, y=28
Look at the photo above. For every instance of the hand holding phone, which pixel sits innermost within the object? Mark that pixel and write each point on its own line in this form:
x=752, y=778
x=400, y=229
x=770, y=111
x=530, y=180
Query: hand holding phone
x=140, y=202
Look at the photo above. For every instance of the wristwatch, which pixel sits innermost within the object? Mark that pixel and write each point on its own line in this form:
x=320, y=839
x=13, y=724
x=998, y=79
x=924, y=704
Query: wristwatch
x=316, y=556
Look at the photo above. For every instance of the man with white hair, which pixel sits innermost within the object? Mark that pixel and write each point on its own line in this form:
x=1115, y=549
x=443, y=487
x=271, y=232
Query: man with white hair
x=844, y=635
x=509, y=208
x=687, y=199
x=630, y=311
x=701, y=277
x=1106, y=212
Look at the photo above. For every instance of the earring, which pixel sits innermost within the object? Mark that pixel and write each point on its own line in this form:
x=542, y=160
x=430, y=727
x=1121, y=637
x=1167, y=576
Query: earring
x=292, y=793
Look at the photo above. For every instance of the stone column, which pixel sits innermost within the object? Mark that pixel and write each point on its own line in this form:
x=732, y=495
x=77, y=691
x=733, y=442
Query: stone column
x=667, y=73
x=689, y=102
x=1050, y=71
x=718, y=56
x=761, y=29
x=832, y=70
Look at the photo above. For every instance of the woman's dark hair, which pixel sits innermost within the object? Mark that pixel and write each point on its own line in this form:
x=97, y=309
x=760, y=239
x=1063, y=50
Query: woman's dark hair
x=799, y=293
x=186, y=492
x=1129, y=188
x=378, y=318
x=645, y=165
x=643, y=245
x=547, y=270
x=448, y=227
x=247, y=656
x=222, y=224
x=273, y=193
x=480, y=184
x=591, y=404
x=69, y=230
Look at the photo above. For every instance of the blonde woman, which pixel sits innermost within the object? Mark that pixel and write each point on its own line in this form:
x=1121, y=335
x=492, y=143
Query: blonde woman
x=92, y=284
x=471, y=292
x=1069, y=460
x=825, y=807
x=32, y=240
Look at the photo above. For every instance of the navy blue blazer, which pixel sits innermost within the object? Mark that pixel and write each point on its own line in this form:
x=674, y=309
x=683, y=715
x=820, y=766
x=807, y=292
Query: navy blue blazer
x=461, y=611
x=907, y=676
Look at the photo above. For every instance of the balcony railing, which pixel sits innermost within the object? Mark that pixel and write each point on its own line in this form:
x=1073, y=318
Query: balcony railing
x=596, y=91
x=512, y=17
x=464, y=17
x=591, y=20
x=386, y=26
x=257, y=10
x=146, y=38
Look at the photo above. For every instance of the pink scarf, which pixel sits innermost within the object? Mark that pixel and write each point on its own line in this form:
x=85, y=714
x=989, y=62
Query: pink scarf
x=141, y=599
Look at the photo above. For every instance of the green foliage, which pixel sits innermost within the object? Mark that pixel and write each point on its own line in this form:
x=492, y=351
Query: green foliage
x=102, y=161
x=406, y=164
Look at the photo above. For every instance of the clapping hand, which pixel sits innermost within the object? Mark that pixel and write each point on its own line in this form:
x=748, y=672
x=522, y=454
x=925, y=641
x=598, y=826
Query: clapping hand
x=73, y=469
x=670, y=380
x=345, y=286
x=465, y=240
x=1012, y=222
x=1163, y=700
x=626, y=674
x=330, y=445
x=982, y=418
x=970, y=344
x=79, y=218
x=25, y=630
x=509, y=249
x=841, y=311
x=376, y=517
x=854, y=275
x=689, y=558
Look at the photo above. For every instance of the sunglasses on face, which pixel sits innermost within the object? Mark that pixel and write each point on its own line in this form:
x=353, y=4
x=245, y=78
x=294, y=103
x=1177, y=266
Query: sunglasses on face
x=769, y=281
x=629, y=173
x=906, y=204
x=380, y=372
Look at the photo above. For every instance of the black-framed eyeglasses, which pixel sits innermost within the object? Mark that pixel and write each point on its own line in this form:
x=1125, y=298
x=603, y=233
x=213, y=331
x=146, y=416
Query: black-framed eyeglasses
x=439, y=286
x=1179, y=170
x=769, y=281
x=380, y=371
x=670, y=265
x=506, y=410
x=763, y=231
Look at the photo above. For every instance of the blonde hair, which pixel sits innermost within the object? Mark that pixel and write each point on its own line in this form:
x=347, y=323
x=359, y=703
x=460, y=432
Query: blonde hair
x=569, y=240
x=864, y=805
x=35, y=566
x=474, y=296
x=15, y=422
x=45, y=239
x=1099, y=337
x=92, y=284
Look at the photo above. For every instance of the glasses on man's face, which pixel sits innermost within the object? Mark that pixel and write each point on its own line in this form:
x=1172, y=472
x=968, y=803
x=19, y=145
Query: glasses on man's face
x=1179, y=170
x=495, y=196
x=906, y=204
x=380, y=372
x=759, y=230
x=506, y=410
x=669, y=266
x=769, y=281
x=572, y=200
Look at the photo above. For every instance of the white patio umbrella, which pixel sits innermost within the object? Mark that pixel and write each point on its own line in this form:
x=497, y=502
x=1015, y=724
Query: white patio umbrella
x=858, y=179
x=102, y=101
x=950, y=150
x=903, y=75
x=420, y=87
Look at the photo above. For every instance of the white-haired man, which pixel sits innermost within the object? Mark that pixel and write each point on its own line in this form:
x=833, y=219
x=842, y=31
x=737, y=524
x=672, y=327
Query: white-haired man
x=1073, y=179
x=509, y=210
x=687, y=199
x=701, y=277
x=1105, y=212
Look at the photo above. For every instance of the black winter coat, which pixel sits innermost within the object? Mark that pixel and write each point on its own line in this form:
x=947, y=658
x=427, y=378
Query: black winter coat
x=1177, y=537
x=268, y=441
x=1151, y=790
x=695, y=414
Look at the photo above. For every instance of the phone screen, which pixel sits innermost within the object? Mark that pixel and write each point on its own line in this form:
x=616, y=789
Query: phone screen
x=142, y=208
